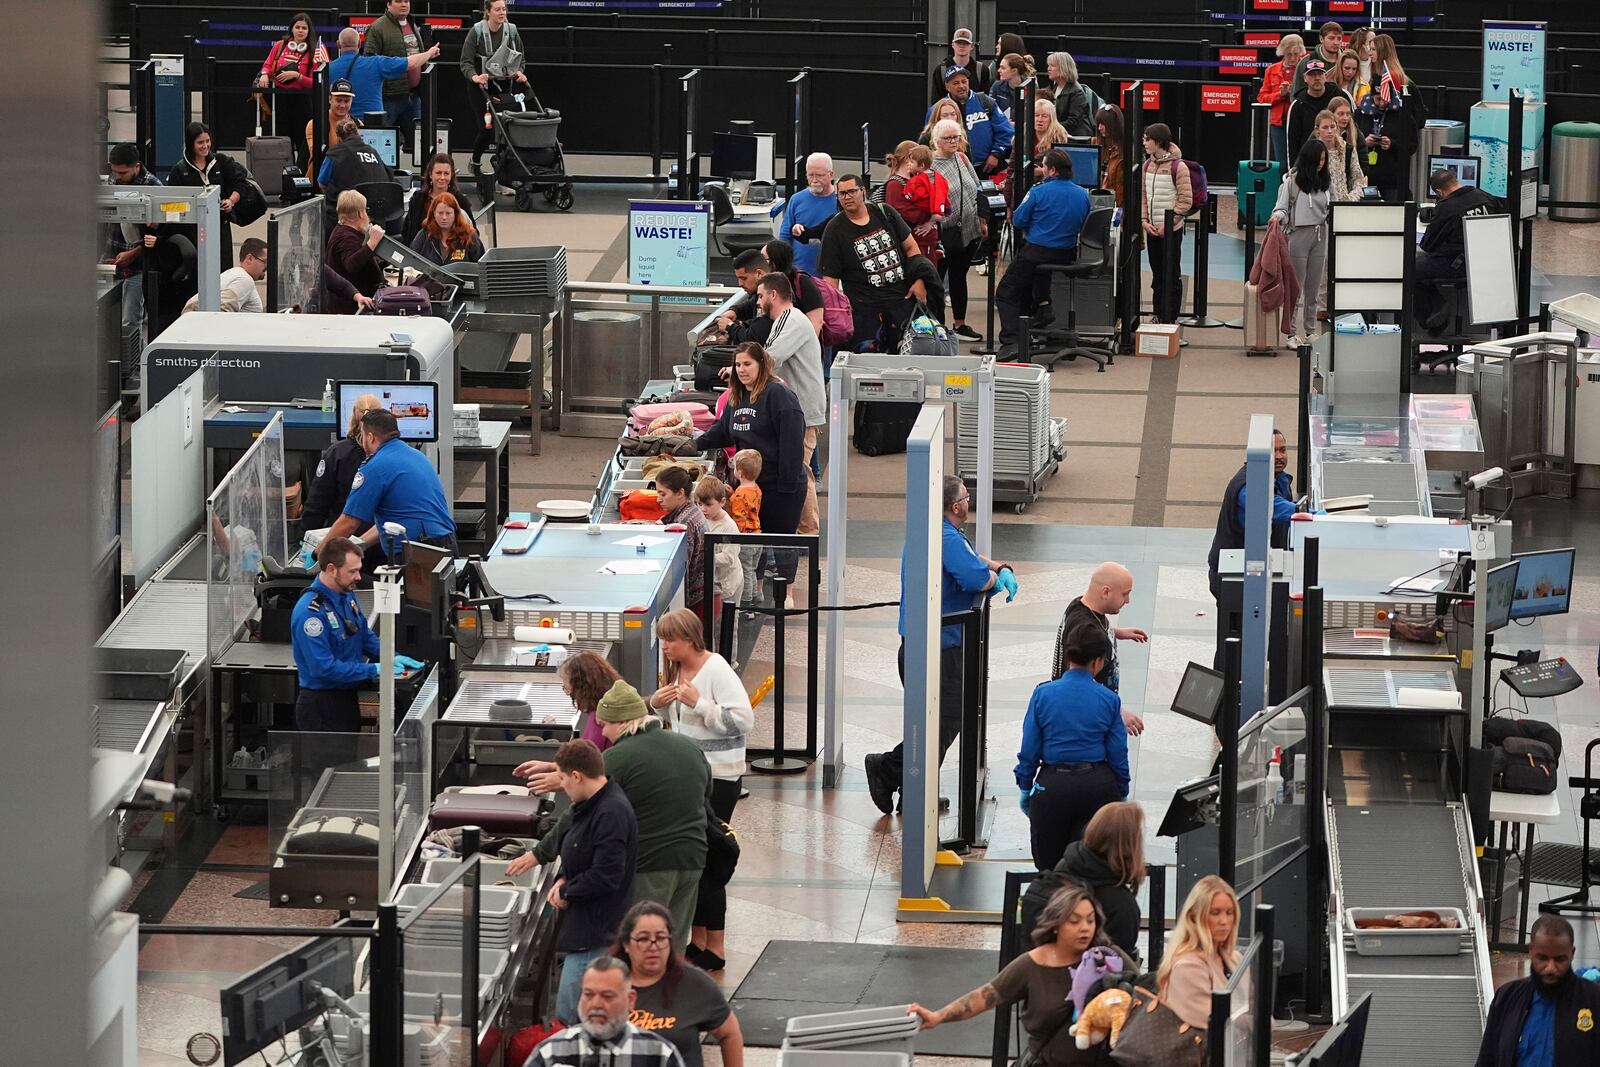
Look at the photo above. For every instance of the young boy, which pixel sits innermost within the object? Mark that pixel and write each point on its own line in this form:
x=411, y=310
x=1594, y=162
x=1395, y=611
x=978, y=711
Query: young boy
x=711, y=494
x=745, y=507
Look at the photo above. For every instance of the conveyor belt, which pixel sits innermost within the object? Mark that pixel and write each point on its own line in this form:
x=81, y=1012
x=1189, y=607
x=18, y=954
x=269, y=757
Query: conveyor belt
x=1369, y=872
x=1420, y=1023
x=163, y=615
x=350, y=790
x=123, y=725
x=1364, y=687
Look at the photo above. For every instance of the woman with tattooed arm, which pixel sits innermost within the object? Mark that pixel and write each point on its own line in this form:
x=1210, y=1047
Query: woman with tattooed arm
x=1041, y=979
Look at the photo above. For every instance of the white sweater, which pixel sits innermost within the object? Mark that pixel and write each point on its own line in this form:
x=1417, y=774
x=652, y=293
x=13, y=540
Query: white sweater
x=720, y=721
x=729, y=572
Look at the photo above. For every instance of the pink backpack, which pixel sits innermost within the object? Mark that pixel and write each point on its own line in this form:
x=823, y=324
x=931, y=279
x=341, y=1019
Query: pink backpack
x=838, y=318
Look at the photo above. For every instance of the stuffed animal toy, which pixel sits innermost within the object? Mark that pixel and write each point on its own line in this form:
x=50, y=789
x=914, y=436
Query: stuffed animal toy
x=1102, y=1018
x=1095, y=965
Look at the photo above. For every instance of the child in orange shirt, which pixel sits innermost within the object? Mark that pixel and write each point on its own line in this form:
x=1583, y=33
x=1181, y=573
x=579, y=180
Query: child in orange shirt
x=745, y=507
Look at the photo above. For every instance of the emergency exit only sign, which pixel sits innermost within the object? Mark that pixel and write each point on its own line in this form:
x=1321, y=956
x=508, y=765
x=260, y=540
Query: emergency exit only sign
x=1152, y=95
x=1222, y=99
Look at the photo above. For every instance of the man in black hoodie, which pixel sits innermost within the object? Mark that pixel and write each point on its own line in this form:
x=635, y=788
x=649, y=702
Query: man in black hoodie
x=963, y=53
x=1441, y=256
x=1548, y=1018
x=1318, y=93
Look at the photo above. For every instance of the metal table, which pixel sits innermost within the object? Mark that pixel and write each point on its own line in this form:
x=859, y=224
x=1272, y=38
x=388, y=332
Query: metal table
x=488, y=449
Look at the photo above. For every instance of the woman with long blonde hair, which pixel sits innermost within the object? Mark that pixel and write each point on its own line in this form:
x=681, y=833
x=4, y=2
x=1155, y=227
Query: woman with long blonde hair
x=945, y=108
x=1204, y=952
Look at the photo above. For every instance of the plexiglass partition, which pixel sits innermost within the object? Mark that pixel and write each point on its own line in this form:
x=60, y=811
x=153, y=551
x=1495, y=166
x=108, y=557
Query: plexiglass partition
x=1233, y=1043
x=297, y=256
x=1270, y=804
x=444, y=992
x=1378, y=456
x=244, y=522
x=323, y=817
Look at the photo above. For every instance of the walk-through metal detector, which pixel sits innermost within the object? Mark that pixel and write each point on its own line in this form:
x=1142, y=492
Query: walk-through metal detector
x=160, y=205
x=910, y=380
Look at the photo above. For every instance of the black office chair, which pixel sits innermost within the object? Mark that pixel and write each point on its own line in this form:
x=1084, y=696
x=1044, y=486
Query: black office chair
x=1455, y=334
x=386, y=203
x=1053, y=344
x=730, y=244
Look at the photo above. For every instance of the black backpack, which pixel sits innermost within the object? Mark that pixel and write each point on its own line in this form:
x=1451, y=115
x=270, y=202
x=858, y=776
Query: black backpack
x=1524, y=755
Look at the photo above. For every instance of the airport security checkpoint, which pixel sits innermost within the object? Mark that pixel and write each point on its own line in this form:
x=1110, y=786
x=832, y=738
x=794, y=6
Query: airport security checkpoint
x=744, y=533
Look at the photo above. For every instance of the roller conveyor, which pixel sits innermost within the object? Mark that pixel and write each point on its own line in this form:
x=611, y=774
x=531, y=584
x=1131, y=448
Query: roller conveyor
x=164, y=615
x=473, y=702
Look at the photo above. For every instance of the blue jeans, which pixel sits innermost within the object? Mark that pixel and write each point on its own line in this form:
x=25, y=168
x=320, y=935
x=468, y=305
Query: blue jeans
x=572, y=968
x=1278, y=140
x=402, y=112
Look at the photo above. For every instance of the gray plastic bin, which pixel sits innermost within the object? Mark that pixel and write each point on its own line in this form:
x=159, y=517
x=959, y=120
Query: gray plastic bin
x=794, y=1057
x=866, y=1030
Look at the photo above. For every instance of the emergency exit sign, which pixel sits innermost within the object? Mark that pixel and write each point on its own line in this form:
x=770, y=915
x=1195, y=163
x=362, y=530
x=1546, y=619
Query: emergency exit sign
x=1347, y=7
x=1222, y=99
x=1152, y=95
x=1261, y=40
x=1272, y=5
x=1237, y=61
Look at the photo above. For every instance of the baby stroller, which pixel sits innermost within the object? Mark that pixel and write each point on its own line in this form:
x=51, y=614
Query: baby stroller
x=527, y=149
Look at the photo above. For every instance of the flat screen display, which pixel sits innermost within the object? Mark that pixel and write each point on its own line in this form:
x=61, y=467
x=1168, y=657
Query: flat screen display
x=1501, y=587
x=1544, y=583
x=1465, y=168
x=733, y=156
x=415, y=405
x=386, y=142
x=1085, y=164
x=1199, y=695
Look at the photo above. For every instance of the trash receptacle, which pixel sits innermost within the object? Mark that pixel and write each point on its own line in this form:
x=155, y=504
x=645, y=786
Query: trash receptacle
x=605, y=367
x=1575, y=171
x=1437, y=135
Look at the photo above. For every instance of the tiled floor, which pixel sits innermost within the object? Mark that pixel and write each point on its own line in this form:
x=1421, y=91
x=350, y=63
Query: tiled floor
x=1149, y=442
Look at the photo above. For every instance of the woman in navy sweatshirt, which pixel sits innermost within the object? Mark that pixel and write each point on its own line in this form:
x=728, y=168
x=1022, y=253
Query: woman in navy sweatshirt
x=764, y=414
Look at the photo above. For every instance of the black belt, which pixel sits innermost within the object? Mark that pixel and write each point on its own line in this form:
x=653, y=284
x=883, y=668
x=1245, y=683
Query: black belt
x=1075, y=768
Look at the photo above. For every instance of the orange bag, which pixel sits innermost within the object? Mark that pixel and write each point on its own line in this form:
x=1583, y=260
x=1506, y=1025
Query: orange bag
x=641, y=505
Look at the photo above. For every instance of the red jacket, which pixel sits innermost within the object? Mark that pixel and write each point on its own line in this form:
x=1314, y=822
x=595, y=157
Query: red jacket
x=1274, y=79
x=1274, y=277
x=281, y=59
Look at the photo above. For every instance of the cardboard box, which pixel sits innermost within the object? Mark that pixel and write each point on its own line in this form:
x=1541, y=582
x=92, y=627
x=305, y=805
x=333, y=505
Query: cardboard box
x=1157, y=339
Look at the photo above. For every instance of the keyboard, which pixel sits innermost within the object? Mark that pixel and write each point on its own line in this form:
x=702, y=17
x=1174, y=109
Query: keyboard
x=1547, y=678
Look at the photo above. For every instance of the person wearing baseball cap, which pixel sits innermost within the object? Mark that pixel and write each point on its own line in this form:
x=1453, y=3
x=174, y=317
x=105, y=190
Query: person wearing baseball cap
x=989, y=129
x=963, y=54
x=341, y=94
x=1318, y=93
x=666, y=779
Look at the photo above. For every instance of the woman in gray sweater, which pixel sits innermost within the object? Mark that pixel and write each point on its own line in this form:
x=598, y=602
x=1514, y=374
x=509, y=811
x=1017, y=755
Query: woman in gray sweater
x=1302, y=211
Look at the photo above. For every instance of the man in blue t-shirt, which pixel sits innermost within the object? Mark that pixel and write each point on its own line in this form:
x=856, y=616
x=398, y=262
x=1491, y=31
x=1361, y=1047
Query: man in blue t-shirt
x=396, y=484
x=368, y=73
x=966, y=576
x=808, y=211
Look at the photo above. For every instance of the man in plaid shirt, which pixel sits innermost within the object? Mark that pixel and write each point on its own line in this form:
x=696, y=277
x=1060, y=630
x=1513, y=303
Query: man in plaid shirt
x=605, y=1037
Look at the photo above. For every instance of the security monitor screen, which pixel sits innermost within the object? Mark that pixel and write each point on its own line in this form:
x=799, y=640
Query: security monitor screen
x=1502, y=586
x=1085, y=164
x=1465, y=168
x=415, y=405
x=385, y=142
x=1544, y=583
x=1199, y=694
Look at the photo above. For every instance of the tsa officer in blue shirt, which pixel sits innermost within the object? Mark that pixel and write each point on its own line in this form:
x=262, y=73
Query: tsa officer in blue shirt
x=396, y=484
x=967, y=576
x=334, y=649
x=1074, y=756
x=1052, y=215
x=1231, y=515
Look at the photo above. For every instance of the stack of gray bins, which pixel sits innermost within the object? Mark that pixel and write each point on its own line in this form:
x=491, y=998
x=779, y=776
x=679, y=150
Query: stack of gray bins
x=869, y=1037
x=1026, y=450
x=523, y=281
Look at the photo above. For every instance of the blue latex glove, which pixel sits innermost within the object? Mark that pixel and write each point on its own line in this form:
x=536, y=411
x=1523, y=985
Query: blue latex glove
x=408, y=663
x=1025, y=801
x=1007, y=581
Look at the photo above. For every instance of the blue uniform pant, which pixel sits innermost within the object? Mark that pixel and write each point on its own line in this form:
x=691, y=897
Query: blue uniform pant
x=330, y=710
x=951, y=661
x=1057, y=816
x=1024, y=286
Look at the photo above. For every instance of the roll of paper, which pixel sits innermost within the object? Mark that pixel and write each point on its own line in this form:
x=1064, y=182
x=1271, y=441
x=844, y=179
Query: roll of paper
x=1428, y=698
x=549, y=635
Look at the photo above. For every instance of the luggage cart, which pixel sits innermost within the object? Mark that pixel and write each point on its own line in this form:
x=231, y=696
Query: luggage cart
x=1028, y=444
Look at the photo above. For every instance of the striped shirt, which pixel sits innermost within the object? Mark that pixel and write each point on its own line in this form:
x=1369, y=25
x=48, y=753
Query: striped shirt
x=573, y=1047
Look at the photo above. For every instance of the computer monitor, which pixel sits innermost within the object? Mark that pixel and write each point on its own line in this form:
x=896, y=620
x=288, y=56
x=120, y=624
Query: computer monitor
x=415, y=405
x=281, y=995
x=1465, y=168
x=1501, y=587
x=1343, y=1043
x=1199, y=695
x=384, y=140
x=1544, y=583
x=733, y=156
x=420, y=573
x=1085, y=164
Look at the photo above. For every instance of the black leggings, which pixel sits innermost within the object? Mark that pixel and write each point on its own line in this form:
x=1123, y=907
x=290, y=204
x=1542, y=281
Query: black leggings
x=711, y=910
x=953, y=269
x=1072, y=793
x=780, y=513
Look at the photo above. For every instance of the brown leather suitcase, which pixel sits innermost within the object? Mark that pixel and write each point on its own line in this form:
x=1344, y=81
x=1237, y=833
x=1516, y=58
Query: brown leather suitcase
x=1261, y=335
x=515, y=815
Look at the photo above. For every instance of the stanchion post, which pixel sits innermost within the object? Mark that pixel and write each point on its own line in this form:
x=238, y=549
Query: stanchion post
x=1172, y=266
x=1205, y=222
x=1228, y=735
x=1266, y=980
x=388, y=988
x=1316, y=787
x=779, y=763
x=813, y=637
x=1132, y=232
x=1303, y=431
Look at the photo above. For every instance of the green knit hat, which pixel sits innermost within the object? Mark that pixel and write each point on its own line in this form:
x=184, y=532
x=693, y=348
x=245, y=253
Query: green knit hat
x=622, y=703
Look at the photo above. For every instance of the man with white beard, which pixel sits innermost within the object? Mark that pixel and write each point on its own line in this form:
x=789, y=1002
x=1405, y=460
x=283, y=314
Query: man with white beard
x=604, y=1034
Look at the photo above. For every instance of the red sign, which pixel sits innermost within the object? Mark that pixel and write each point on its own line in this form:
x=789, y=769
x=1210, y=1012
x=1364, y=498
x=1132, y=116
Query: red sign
x=1351, y=7
x=1262, y=40
x=1271, y=5
x=1152, y=95
x=1237, y=61
x=1222, y=98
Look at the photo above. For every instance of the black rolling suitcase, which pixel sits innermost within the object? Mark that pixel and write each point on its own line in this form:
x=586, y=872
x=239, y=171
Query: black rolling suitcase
x=266, y=157
x=881, y=427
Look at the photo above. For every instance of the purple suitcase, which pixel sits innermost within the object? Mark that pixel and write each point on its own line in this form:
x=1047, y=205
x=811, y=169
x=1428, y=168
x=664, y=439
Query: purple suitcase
x=402, y=300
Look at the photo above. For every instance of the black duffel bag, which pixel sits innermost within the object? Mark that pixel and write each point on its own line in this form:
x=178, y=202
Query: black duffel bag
x=708, y=361
x=1524, y=753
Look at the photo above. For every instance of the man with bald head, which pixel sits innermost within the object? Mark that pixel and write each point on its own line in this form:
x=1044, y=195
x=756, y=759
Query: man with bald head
x=1110, y=590
x=366, y=74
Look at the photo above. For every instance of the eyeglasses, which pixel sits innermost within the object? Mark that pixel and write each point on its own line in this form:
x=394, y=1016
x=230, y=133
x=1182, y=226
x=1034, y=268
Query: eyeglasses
x=650, y=940
x=961, y=499
x=849, y=192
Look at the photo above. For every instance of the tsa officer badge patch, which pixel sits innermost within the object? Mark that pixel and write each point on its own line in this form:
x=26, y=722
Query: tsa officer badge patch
x=1585, y=1020
x=313, y=627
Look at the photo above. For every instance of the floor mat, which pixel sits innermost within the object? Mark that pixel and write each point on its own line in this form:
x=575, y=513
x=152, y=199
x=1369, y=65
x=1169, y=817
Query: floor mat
x=813, y=977
x=262, y=890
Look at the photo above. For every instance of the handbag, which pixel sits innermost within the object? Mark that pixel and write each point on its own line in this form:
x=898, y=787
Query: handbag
x=1154, y=1036
x=722, y=849
x=252, y=203
x=708, y=361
